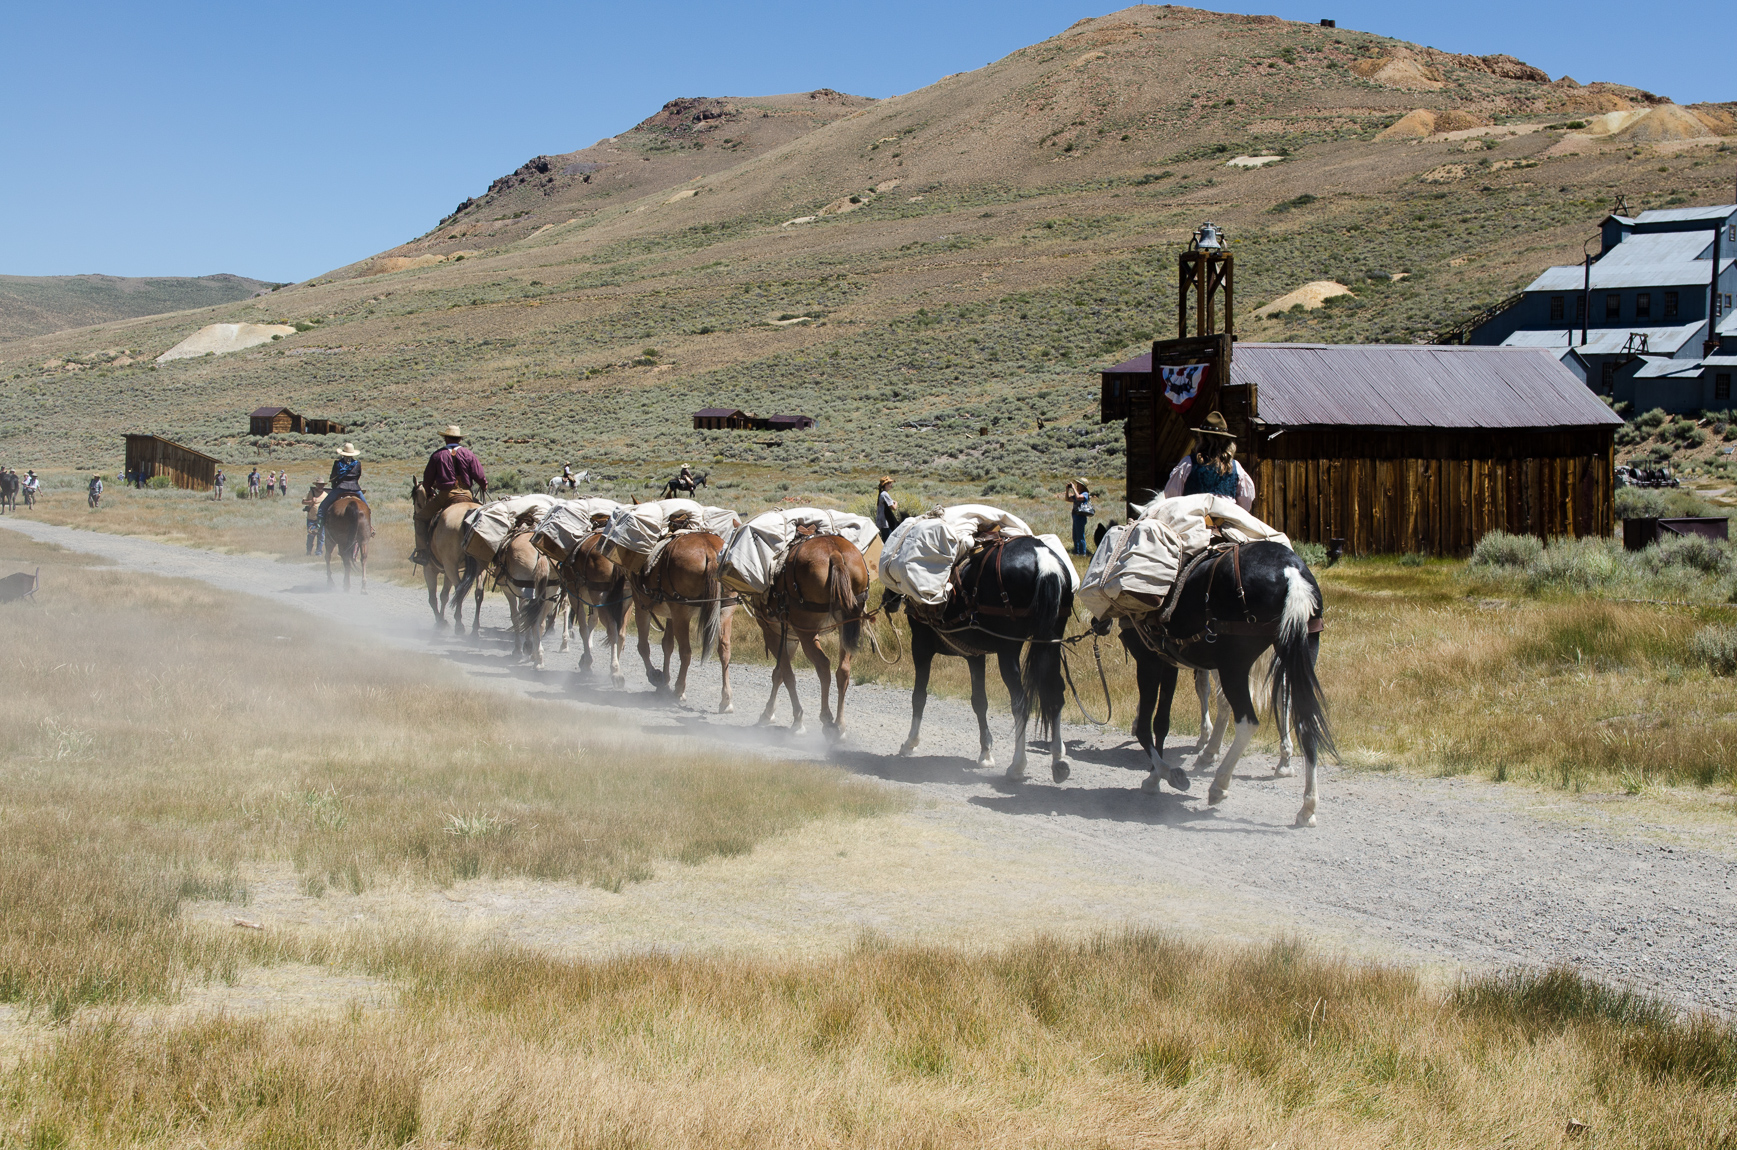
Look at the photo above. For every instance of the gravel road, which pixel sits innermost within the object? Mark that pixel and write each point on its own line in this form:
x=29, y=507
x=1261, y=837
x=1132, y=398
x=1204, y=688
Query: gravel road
x=1453, y=872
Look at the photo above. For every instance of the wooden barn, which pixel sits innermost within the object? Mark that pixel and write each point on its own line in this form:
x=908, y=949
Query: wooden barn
x=787, y=422
x=152, y=455
x=1391, y=448
x=323, y=427
x=274, y=420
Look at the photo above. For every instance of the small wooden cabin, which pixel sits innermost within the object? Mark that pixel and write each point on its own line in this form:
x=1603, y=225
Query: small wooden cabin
x=1391, y=448
x=323, y=427
x=788, y=422
x=274, y=420
x=721, y=419
x=152, y=455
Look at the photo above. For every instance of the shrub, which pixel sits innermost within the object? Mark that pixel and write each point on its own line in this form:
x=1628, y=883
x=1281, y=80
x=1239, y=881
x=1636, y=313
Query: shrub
x=1684, y=432
x=1628, y=435
x=1716, y=647
x=1652, y=420
x=1314, y=554
x=1499, y=549
x=1690, y=551
x=1575, y=565
x=1661, y=503
x=159, y=482
x=508, y=483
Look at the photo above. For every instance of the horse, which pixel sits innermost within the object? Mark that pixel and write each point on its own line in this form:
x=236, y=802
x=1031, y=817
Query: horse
x=558, y=483
x=1232, y=607
x=681, y=587
x=822, y=586
x=676, y=489
x=1019, y=600
x=596, y=588
x=348, y=526
x=447, y=558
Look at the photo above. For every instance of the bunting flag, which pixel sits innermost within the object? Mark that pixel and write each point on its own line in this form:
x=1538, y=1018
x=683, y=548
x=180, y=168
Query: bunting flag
x=1182, y=384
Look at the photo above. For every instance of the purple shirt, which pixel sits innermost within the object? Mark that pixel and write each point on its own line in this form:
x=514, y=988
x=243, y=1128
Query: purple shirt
x=453, y=466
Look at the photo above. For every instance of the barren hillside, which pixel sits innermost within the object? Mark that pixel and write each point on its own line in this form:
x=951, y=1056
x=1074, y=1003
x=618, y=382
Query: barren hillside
x=935, y=275
x=37, y=305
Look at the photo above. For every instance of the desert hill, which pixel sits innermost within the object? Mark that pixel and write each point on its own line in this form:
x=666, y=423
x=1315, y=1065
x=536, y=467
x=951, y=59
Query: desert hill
x=935, y=275
x=36, y=305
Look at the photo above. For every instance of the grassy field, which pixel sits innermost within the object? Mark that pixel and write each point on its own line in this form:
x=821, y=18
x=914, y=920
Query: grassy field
x=175, y=733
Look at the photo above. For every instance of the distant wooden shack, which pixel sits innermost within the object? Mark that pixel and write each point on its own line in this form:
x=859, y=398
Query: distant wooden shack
x=722, y=419
x=283, y=421
x=150, y=456
x=1391, y=448
x=273, y=421
x=789, y=422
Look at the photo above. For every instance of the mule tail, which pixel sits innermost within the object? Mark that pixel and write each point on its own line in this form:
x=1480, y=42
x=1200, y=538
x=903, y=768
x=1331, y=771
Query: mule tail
x=846, y=604
x=712, y=610
x=1292, y=678
x=1041, y=676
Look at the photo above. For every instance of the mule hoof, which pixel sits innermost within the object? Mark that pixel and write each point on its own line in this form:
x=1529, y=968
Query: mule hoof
x=1178, y=778
x=1305, y=818
x=618, y=681
x=727, y=709
x=908, y=749
x=1059, y=771
x=833, y=733
x=1214, y=796
x=1016, y=772
x=798, y=728
x=1284, y=771
x=987, y=761
x=1150, y=783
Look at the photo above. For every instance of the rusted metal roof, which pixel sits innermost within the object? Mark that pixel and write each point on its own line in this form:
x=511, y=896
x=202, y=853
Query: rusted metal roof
x=267, y=412
x=1409, y=385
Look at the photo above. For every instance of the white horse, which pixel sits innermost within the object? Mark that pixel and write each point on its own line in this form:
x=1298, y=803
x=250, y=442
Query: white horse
x=559, y=483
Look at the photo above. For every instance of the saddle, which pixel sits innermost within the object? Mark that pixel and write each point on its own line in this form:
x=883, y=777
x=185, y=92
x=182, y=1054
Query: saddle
x=1162, y=639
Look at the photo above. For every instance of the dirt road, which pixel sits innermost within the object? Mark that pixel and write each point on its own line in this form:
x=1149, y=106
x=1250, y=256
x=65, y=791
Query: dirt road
x=1449, y=871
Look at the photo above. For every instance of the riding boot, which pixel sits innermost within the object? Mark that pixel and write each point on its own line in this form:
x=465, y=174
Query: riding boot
x=421, y=553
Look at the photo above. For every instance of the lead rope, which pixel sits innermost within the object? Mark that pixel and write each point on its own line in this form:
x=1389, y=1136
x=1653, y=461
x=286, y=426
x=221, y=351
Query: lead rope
x=1103, y=681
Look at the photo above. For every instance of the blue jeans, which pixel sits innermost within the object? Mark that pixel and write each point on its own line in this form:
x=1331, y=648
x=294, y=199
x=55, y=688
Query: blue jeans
x=1080, y=522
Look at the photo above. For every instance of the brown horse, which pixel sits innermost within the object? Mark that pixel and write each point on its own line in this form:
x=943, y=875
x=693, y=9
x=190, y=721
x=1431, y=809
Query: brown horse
x=681, y=587
x=348, y=527
x=822, y=587
x=521, y=572
x=444, y=532
x=596, y=589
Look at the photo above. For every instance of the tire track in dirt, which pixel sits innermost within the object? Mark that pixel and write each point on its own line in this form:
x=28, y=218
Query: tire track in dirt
x=1448, y=871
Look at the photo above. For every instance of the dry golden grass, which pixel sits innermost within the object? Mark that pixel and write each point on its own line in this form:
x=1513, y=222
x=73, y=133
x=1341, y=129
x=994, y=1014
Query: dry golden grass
x=1123, y=1040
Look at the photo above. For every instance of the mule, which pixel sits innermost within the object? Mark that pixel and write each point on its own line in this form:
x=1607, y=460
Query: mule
x=448, y=560
x=681, y=588
x=521, y=573
x=822, y=587
x=348, y=527
x=1012, y=598
x=597, y=591
x=1231, y=609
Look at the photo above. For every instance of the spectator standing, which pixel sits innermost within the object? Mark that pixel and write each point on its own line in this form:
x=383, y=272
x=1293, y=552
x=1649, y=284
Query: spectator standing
x=31, y=486
x=217, y=484
x=1079, y=494
x=316, y=529
x=886, y=508
x=253, y=483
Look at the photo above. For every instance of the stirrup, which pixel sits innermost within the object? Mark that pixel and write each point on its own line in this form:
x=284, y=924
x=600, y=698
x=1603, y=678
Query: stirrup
x=420, y=557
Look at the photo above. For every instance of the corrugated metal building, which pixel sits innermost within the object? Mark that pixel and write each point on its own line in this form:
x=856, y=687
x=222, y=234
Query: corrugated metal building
x=1391, y=448
x=152, y=455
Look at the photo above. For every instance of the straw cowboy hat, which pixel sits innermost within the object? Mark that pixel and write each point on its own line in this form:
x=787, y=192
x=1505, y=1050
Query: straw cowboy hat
x=1215, y=425
x=350, y=451
x=452, y=432
x=1082, y=481
x=886, y=481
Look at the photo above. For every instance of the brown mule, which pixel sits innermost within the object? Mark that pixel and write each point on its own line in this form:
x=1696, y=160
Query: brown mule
x=444, y=531
x=683, y=587
x=596, y=589
x=822, y=587
x=348, y=527
x=522, y=573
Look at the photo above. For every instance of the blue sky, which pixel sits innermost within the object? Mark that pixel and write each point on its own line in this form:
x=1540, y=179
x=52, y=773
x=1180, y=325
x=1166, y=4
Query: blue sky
x=278, y=142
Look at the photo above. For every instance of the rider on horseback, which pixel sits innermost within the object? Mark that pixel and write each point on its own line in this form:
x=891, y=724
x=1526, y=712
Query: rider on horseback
x=452, y=471
x=346, y=479
x=1210, y=467
x=684, y=482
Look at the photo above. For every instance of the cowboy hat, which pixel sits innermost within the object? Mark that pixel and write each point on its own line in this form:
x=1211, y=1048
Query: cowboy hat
x=452, y=432
x=886, y=480
x=1215, y=425
x=1081, y=481
x=350, y=451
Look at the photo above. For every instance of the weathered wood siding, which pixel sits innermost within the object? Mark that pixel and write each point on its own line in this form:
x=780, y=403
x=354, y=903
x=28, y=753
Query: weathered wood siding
x=1436, y=492
x=156, y=456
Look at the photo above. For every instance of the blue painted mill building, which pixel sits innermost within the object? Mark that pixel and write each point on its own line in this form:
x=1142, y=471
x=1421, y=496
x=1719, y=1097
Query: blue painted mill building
x=1646, y=322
